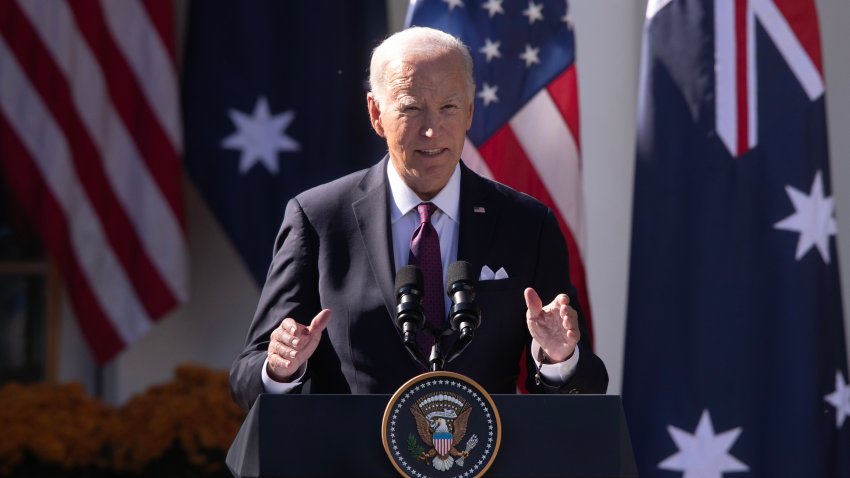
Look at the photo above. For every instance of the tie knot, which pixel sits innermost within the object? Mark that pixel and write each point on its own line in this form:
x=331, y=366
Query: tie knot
x=426, y=209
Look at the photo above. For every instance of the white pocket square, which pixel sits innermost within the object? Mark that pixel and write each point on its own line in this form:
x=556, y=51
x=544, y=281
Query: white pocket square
x=488, y=274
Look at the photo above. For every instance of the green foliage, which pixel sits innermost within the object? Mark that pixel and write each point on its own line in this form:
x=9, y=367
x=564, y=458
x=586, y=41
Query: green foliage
x=414, y=447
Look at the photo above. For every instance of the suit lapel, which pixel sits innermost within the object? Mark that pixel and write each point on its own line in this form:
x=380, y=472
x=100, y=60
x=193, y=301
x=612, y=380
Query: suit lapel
x=373, y=222
x=479, y=212
x=478, y=215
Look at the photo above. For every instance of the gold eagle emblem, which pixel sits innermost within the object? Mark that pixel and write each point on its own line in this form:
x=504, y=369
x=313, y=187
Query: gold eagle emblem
x=441, y=421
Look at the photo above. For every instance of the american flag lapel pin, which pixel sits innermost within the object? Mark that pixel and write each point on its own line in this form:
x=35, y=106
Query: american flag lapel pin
x=479, y=209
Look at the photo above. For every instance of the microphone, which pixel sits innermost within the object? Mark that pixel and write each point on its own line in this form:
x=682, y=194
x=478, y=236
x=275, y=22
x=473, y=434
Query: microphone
x=464, y=315
x=410, y=317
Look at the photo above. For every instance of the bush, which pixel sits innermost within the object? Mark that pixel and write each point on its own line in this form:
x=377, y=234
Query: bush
x=181, y=428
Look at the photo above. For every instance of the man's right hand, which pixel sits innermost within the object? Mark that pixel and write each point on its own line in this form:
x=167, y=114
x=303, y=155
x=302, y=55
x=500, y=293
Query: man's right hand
x=292, y=344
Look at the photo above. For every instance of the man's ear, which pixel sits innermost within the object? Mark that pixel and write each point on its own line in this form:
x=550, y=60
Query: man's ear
x=374, y=113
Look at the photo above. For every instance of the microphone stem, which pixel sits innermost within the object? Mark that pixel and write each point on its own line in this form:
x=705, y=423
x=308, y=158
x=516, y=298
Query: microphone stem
x=409, y=337
x=436, y=359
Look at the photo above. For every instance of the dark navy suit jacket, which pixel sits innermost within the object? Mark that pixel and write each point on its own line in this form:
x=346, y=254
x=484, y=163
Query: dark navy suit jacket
x=334, y=250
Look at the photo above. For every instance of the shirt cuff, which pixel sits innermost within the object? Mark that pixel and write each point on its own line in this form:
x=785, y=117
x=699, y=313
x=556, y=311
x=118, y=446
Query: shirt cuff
x=272, y=386
x=555, y=373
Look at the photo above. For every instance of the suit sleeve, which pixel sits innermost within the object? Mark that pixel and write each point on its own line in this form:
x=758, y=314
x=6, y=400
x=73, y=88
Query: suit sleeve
x=291, y=290
x=551, y=279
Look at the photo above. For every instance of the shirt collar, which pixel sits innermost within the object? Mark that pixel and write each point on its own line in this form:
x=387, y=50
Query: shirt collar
x=405, y=199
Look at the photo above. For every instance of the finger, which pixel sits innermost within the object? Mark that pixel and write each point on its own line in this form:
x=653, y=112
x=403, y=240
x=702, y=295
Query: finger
x=285, y=338
x=291, y=340
x=279, y=349
x=286, y=351
x=533, y=302
x=277, y=335
x=278, y=363
x=568, y=314
x=563, y=311
x=559, y=304
x=289, y=325
x=571, y=324
x=320, y=322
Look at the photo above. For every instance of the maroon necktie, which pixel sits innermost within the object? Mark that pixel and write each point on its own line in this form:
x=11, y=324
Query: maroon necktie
x=425, y=254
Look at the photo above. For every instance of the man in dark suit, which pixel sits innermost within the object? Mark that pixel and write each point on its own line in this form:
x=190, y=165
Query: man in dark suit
x=327, y=310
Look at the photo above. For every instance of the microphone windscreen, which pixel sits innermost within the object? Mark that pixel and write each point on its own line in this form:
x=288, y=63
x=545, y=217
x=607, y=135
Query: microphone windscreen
x=460, y=271
x=408, y=276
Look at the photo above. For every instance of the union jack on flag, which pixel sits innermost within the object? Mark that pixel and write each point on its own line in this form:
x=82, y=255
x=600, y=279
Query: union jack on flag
x=90, y=143
x=793, y=30
x=525, y=131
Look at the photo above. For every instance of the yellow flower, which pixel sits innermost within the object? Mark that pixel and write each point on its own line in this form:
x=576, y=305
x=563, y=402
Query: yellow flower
x=61, y=425
x=57, y=424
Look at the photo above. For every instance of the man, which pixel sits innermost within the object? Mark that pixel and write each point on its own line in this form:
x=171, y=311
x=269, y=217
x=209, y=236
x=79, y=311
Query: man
x=326, y=312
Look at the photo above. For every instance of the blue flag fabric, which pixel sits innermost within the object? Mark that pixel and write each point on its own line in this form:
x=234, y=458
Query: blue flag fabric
x=735, y=361
x=274, y=103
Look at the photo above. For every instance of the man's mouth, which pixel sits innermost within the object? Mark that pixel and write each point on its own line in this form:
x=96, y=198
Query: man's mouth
x=432, y=152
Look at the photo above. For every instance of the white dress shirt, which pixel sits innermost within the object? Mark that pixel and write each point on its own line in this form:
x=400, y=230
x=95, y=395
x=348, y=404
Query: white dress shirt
x=405, y=219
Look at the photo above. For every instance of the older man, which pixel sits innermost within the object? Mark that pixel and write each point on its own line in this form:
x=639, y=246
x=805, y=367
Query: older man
x=326, y=312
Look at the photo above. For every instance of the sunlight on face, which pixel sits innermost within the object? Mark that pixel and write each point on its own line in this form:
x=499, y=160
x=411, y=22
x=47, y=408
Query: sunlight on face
x=424, y=118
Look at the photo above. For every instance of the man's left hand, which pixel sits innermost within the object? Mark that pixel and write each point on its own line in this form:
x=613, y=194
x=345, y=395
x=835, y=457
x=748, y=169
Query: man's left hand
x=554, y=326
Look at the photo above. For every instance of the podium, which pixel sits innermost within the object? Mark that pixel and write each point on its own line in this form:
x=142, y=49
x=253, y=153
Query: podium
x=340, y=435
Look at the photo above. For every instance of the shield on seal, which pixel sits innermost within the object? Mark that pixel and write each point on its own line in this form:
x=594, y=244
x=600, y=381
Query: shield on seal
x=434, y=423
x=442, y=442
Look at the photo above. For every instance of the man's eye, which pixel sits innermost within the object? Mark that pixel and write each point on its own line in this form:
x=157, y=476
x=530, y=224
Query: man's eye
x=411, y=109
x=450, y=107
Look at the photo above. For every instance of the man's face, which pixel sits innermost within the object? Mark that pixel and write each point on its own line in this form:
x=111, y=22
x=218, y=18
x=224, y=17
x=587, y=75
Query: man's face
x=424, y=118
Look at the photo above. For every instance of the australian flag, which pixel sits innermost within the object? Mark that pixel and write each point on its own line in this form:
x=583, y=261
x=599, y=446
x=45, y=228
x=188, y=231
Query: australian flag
x=735, y=357
x=274, y=103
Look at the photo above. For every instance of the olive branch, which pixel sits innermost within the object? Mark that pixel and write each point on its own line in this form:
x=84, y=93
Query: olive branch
x=414, y=447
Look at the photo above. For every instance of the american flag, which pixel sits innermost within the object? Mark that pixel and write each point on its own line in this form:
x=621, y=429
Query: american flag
x=90, y=141
x=525, y=131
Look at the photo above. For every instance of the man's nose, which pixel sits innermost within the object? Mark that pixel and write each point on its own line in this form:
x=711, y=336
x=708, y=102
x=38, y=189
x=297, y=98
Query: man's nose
x=430, y=125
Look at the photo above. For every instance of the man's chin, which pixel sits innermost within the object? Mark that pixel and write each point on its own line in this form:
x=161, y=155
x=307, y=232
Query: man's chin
x=429, y=183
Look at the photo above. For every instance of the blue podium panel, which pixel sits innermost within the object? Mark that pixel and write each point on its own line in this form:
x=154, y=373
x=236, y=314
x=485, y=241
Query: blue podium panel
x=340, y=435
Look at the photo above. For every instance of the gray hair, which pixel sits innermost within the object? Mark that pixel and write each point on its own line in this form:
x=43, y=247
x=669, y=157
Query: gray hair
x=416, y=41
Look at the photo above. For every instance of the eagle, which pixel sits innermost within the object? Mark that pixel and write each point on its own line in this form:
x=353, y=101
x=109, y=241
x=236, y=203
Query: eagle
x=431, y=431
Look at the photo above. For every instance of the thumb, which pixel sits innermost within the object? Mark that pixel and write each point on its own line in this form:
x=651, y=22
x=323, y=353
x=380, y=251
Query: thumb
x=320, y=321
x=533, y=302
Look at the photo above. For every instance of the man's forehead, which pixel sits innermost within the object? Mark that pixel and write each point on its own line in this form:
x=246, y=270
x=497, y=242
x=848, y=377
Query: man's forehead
x=412, y=91
x=404, y=77
x=410, y=62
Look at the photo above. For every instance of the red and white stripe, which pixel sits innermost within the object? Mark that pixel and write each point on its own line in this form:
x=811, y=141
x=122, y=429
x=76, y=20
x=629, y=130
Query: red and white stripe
x=443, y=445
x=90, y=145
x=792, y=27
x=538, y=152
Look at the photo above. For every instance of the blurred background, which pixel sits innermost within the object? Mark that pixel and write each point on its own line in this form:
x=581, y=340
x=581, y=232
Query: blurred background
x=41, y=337
x=148, y=149
x=122, y=275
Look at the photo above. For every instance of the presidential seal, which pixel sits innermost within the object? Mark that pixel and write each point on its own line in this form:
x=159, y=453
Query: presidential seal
x=441, y=424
